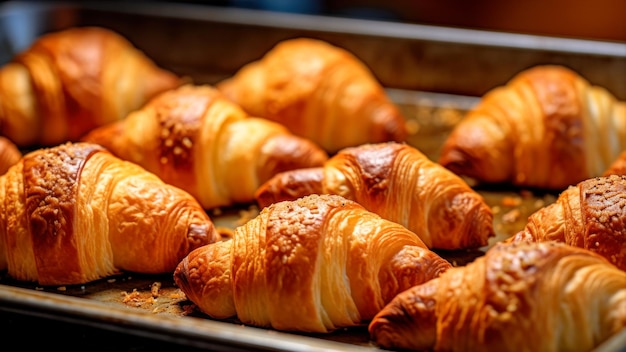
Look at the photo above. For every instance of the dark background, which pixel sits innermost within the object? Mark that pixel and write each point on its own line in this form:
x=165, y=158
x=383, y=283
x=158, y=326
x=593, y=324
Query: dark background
x=598, y=19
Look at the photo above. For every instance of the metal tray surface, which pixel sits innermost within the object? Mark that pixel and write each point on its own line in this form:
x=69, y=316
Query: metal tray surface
x=434, y=74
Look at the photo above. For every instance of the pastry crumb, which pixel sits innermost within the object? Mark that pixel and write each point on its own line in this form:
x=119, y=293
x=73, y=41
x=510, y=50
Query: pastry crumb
x=137, y=299
x=509, y=201
x=154, y=289
x=511, y=216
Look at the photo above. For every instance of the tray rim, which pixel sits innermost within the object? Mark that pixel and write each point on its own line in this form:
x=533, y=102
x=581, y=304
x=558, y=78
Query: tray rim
x=187, y=331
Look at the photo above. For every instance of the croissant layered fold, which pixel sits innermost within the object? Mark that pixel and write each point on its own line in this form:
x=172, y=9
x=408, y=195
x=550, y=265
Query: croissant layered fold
x=74, y=213
x=547, y=128
x=73, y=80
x=319, y=91
x=545, y=296
x=315, y=264
x=590, y=215
x=9, y=154
x=196, y=139
x=617, y=167
x=399, y=183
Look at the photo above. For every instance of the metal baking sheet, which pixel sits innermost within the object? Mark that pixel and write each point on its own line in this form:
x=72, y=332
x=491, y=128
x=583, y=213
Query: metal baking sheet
x=434, y=74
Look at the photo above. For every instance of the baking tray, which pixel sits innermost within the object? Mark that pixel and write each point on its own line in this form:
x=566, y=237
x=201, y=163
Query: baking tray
x=434, y=74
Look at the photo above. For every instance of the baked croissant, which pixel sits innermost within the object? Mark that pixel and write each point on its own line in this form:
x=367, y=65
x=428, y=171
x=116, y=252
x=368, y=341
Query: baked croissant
x=545, y=296
x=548, y=128
x=319, y=91
x=73, y=80
x=315, y=264
x=74, y=213
x=591, y=215
x=399, y=183
x=196, y=139
x=9, y=154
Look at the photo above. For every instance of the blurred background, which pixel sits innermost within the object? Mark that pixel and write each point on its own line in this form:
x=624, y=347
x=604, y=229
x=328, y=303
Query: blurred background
x=599, y=19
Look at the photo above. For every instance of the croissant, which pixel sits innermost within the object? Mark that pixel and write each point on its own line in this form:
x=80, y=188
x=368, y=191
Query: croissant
x=399, y=183
x=73, y=80
x=74, y=213
x=548, y=128
x=9, y=154
x=196, y=139
x=591, y=215
x=545, y=296
x=315, y=264
x=319, y=91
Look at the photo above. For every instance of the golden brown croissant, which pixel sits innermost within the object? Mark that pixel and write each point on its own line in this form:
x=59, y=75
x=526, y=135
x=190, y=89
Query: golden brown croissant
x=547, y=128
x=315, y=264
x=74, y=213
x=399, y=183
x=591, y=215
x=545, y=296
x=319, y=91
x=196, y=139
x=73, y=80
x=9, y=154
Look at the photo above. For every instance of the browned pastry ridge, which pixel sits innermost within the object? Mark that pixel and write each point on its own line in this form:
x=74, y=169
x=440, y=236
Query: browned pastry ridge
x=590, y=215
x=618, y=166
x=319, y=91
x=545, y=296
x=196, y=139
x=315, y=264
x=9, y=154
x=74, y=213
x=70, y=81
x=398, y=182
x=547, y=128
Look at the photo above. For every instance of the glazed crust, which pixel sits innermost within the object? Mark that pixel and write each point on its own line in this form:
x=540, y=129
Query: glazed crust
x=547, y=128
x=589, y=215
x=545, y=296
x=315, y=264
x=319, y=91
x=74, y=213
x=399, y=183
x=71, y=81
x=196, y=139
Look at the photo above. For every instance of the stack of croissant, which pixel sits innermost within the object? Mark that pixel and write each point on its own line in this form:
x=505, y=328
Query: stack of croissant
x=110, y=163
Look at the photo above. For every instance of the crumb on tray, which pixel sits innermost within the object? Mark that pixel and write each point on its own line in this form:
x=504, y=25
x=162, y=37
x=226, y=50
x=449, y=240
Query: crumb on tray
x=511, y=216
x=412, y=127
x=509, y=201
x=154, y=289
x=136, y=298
